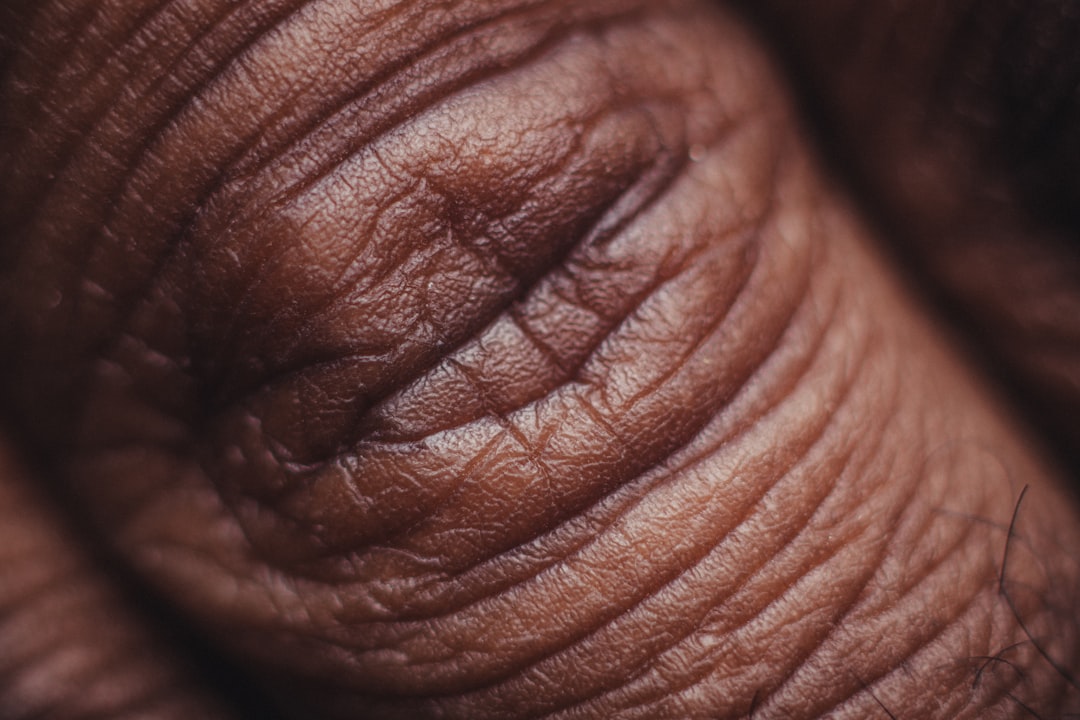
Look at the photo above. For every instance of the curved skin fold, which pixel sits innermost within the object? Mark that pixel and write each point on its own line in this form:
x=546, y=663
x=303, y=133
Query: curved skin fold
x=507, y=359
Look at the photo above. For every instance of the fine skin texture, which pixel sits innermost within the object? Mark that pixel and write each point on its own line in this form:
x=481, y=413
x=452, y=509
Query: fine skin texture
x=500, y=360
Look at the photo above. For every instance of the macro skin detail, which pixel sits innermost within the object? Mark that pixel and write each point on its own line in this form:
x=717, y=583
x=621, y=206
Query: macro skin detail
x=507, y=359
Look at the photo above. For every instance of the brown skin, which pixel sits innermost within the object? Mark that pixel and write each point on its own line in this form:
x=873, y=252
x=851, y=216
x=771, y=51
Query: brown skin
x=504, y=360
x=73, y=645
x=959, y=123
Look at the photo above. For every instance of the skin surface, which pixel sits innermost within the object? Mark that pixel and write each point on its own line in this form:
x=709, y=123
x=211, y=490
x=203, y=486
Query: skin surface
x=71, y=641
x=512, y=359
x=960, y=123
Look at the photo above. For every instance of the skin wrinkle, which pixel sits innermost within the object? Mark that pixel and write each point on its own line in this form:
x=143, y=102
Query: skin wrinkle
x=975, y=707
x=612, y=431
x=755, y=572
x=606, y=624
x=79, y=31
x=764, y=698
x=136, y=306
x=674, y=470
x=223, y=175
x=641, y=464
x=599, y=417
x=151, y=282
x=409, y=68
x=66, y=152
x=1013, y=322
x=989, y=572
x=666, y=650
x=739, y=522
x=962, y=620
x=570, y=374
x=904, y=504
x=591, y=237
x=161, y=125
x=171, y=70
x=412, y=66
x=867, y=684
x=447, y=91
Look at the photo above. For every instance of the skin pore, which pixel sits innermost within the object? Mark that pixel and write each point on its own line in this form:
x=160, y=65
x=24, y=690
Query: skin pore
x=521, y=359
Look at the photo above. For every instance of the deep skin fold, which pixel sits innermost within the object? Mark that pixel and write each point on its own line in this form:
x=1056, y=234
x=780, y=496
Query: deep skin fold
x=556, y=381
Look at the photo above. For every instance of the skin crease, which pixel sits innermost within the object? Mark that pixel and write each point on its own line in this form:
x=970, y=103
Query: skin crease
x=496, y=360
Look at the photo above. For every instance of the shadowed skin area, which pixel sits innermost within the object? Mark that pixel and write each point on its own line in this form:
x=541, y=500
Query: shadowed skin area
x=962, y=125
x=73, y=645
x=505, y=360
